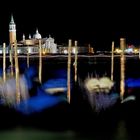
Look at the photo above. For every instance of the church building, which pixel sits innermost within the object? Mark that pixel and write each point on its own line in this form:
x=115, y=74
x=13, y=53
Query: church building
x=47, y=43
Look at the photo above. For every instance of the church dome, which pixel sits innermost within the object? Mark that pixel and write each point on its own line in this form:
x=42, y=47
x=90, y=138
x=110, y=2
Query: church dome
x=37, y=35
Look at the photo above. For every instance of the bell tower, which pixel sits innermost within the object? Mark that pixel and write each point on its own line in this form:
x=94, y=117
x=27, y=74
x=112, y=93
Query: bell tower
x=12, y=31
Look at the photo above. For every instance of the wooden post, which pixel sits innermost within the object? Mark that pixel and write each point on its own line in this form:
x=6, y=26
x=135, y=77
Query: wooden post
x=89, y=49
x=139, y=53
x=40, y=62
x=17, y=74
x=112, y=61
x=122, y=68
x=75, y=63
x=4, y=62
x=11, y=60
x=69, y=70
x=28, y=56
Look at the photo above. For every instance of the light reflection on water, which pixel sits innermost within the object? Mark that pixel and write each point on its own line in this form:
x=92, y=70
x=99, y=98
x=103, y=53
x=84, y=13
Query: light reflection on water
x=122, y=129
x=34, y=134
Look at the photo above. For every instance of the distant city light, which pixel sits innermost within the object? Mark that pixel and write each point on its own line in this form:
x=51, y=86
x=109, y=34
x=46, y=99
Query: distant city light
x=74, y=50
x=65, y=52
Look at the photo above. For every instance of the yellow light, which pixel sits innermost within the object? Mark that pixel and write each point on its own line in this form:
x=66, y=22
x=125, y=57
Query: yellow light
x=118, y=50
x=136, y=51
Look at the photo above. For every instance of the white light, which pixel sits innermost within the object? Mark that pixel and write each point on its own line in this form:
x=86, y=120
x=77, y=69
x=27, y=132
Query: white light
x=74, y=50
x=65, y=51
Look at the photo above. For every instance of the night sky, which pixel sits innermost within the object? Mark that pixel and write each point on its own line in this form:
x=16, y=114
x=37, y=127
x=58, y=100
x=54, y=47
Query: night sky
x=94, y=22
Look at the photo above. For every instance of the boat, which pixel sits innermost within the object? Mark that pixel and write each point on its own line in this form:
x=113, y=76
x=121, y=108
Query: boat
x=46, y=95
x=100, y=93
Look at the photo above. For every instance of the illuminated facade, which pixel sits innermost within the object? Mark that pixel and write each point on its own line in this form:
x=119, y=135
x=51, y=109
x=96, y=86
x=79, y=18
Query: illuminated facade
x=30, y=44
x=130, y=49
x=47, y=43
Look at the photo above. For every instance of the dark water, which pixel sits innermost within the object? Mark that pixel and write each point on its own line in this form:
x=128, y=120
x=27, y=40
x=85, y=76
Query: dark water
x=77, y=120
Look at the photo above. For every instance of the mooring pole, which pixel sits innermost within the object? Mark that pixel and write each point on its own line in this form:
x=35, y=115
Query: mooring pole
x=28, y=56
x=40, y=62
x=4, y=62
x=69, y=71
x=122, y=68
x=17, y=74
x=75, y=63
x=11, y=60
x=112, y=61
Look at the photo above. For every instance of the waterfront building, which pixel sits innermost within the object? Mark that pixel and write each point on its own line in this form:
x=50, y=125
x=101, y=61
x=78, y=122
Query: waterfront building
x=48, y=43
x=30, y=44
